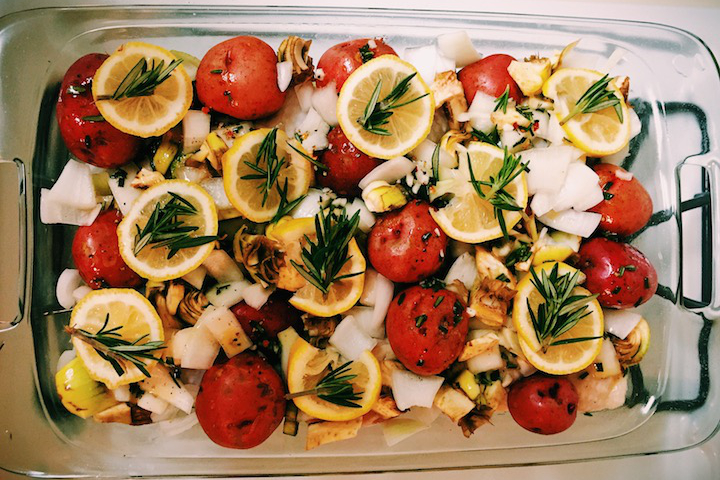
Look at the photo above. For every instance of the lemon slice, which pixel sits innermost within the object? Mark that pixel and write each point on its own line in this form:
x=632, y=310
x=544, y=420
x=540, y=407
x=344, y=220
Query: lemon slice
x=151, y=262
x=408, y=125
x=147, y=115
x=342, y=295
x=467, y=217
x=247, y=195
x=557, y=359
x=132, y=315
x=308, y=365
x=600, y=133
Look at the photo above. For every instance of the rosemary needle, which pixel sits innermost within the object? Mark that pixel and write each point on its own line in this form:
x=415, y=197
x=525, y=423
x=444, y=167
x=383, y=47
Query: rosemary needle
x=141, y=81
x=335, y=387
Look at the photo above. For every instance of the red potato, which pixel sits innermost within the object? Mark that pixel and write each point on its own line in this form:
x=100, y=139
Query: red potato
x=542, y=404
x=95, y=142
x=97, y=257
x=407, y=245
x=346, y=165
x=240, y=402
x=339, y=61
x=238, y=77
x=619, y=273
x=272, y=318
x=426, y=328
x=627, y=206
x=489, y=75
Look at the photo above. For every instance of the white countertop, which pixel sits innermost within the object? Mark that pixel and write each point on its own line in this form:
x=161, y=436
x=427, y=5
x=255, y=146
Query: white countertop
x=702, y=19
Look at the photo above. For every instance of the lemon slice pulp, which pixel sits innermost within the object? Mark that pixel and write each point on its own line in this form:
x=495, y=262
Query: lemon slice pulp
x=248, y=194
x=146, y=115
x=342, y=295
x=123, y=308
x=600, y=133
x=306, y=367
x=408, y=125
x=467, y=217
x=151, y=262
x=557, y=359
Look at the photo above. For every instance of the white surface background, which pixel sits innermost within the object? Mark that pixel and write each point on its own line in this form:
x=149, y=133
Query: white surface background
x=701, y=17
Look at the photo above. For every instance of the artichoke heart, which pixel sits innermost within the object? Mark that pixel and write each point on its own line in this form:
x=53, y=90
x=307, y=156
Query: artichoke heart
x=192, y=306
x=632, y=349
x=295, y=50
x=80, y=394
x=262, y=256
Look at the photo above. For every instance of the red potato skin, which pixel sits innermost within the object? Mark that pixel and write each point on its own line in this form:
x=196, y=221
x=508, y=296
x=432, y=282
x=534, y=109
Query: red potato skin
x=273, y=317
x=97, y=257
x=601, y=260
x=339, y=61
x=96, y=143
x=407, y=245
x=346, y=165
x=246, y=88
x=241, y=402
x=627, y=207
x=543, y=404
x=430, y=348
x=489, y=75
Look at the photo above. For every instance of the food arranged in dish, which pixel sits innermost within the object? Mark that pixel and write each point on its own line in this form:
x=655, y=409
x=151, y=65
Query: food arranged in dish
x=377, y=240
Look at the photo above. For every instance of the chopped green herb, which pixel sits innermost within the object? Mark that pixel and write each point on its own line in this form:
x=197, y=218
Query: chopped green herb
x=493, y=138
x=439, y=300
x=616, y=290
x=525, y=111
x=521, y=254
x=621, y=271
x=217, y=70
x=94, y=118
x=433, y=283
x=75, y=89
x=583, y=375
x=420, y=319
x=588, y=414
x=501, y=102
x=401, y=298
x=503, y=278
x=443, y=328
x=120, y=175
x=646, y=282
x=426, y=236
x=366, y=54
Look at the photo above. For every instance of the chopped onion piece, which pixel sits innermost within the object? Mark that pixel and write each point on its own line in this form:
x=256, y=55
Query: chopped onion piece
x=287, y=339
x=390, y=171
x=195, y=127
x=124, y=195
x=80, y=292
x=463, y=269
x=151, y=403
x=548, y=167
x=384, y=290
x=324, y=100
x=608, y=359
x=368, y=294
x=424, y=60
x=196, y=278
x=222, y=267
x=581, y=189
x=424, y=414
x=350, y=340
x=542, y=203
x=74, y=188
x=624, y=175
x=216, y=189
x=227, y=330
x=121, y=393
x=618, y=157
x=162, y=385
x=65, y=358
x=367, y=218
x=227, y=294
x=621, y=322
x=176, y=426
x=457, y=46
x=304, y=95
x=635, y=123
x=284, y=74
x=52, y=211
x=489, y=360
x=572, y=221
x=411, y=390
x=200, y=350
x=423, y=156
x=311, y=204
x=256, y=295
x=68, y=281
x=616, y=57
x=191, y=174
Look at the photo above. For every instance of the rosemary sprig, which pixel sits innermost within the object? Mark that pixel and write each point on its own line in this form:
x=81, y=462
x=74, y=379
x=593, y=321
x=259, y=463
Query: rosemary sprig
x=493, y=138
x=110, y=345
x=270, y=172
x=561, y=310
x=335, y=387
x=596, y=98
x=164, y=228
x=285, y=207
x=495, y=192
x=141, y=81
x=314, y=161
x=377, y=112
x=501, y=102
x=323, y=259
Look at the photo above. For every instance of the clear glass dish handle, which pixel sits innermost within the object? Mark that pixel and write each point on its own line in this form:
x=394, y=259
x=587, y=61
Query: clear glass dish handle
x=710, y=199
x=8, y=319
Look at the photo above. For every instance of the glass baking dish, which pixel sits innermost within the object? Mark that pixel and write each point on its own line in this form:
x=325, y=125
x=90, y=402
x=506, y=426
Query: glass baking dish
x=672, y=402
